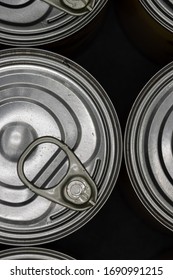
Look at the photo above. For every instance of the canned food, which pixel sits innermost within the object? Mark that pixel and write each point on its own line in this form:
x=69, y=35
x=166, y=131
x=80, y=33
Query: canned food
x=32, y=253
x=60, y=136
x=42, y=22
x=150, y=25
x=148, y=146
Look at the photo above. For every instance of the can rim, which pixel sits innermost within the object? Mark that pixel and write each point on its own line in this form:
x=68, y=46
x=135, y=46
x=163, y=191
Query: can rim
x=160, y=12
x=16, y=252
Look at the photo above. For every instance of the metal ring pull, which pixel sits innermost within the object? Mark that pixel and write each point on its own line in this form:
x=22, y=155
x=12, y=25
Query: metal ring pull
x=73, y=7
x=76, y=190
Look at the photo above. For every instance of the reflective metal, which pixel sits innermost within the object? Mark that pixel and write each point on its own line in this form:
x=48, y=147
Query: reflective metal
x=43, y=94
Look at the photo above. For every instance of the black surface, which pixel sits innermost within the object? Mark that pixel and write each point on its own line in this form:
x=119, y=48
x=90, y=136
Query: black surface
x=120, y=230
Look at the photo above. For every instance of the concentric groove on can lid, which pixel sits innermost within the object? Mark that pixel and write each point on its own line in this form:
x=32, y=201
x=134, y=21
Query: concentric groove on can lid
x=149, y=146
x=160, y=10
x=36, y=22
x=43, y=94
x=32, y=253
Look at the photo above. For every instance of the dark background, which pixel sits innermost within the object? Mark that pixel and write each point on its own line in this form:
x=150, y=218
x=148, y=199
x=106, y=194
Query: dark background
x=121, y=229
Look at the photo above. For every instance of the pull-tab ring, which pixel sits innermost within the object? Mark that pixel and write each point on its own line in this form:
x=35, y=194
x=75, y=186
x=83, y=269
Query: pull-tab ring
x=76, y=190
x=73, y=7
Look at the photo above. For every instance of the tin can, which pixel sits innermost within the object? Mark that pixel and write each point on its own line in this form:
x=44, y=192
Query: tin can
x=32, y=253
x=50, y=23
x=150, y=25
x=148, y=146
x=60, y=146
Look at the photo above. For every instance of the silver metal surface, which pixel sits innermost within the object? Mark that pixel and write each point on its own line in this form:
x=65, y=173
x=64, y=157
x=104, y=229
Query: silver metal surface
x=32, y=253
x=43, y=94
x=148, y=146
x=76, y=191
x=160, y=10
x=35, y=22
x=73, y=7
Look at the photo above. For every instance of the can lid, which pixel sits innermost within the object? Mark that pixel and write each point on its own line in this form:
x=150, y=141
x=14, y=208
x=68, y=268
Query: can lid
x=43, y=94
x=161, y=11
x=32, y=22
x=32, y=253
x=149, y=146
